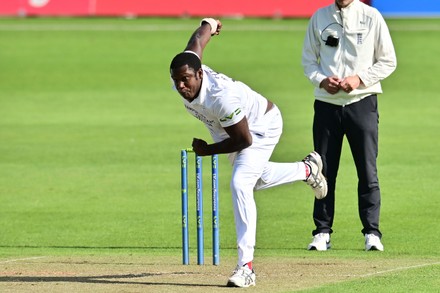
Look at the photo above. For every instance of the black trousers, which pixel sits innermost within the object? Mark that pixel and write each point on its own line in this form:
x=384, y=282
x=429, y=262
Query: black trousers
x=359, y=123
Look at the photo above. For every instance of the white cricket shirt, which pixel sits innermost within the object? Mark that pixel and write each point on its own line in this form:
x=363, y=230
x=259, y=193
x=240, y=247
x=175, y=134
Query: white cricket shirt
x=365, y=48
x=223, y=102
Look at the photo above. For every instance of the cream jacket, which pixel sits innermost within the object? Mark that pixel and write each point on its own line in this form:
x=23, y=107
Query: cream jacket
x=365, y=49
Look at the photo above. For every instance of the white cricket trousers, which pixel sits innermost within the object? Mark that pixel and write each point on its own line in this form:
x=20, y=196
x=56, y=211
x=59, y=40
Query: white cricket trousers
x=252, y=171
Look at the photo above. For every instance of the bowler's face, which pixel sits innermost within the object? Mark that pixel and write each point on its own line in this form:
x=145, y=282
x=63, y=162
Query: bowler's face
x=187, y=81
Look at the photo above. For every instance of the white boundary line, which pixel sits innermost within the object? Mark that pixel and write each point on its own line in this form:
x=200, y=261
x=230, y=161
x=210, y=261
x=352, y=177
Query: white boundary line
x=399, y=269
x=21, y=259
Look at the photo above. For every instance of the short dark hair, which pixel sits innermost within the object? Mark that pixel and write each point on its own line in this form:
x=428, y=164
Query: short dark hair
x=186, y=58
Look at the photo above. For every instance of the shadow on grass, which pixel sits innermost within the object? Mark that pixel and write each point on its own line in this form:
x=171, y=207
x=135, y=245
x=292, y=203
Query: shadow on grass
x=104, y=279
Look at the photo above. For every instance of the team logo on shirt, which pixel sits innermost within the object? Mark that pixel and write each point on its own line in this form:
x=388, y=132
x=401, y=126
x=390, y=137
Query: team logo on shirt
x=230, y=116
x=200, y=116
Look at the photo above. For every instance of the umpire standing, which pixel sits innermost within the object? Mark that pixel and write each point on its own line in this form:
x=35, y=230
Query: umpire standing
x=347, y=52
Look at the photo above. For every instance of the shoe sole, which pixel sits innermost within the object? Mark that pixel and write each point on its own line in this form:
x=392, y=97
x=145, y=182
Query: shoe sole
x=232, y=284
x=318, y=161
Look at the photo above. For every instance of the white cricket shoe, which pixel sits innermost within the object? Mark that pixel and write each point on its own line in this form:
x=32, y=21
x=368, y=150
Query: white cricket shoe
x=316, y=179
x=242, y=277
x=320, y=242
x=372, y=242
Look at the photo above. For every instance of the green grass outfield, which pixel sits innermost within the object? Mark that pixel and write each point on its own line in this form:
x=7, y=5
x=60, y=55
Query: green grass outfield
x=90, y=133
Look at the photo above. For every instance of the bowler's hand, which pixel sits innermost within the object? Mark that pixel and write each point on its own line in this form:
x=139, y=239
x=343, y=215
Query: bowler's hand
x=219, y=27
x=200, y=146
x=331, y=84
